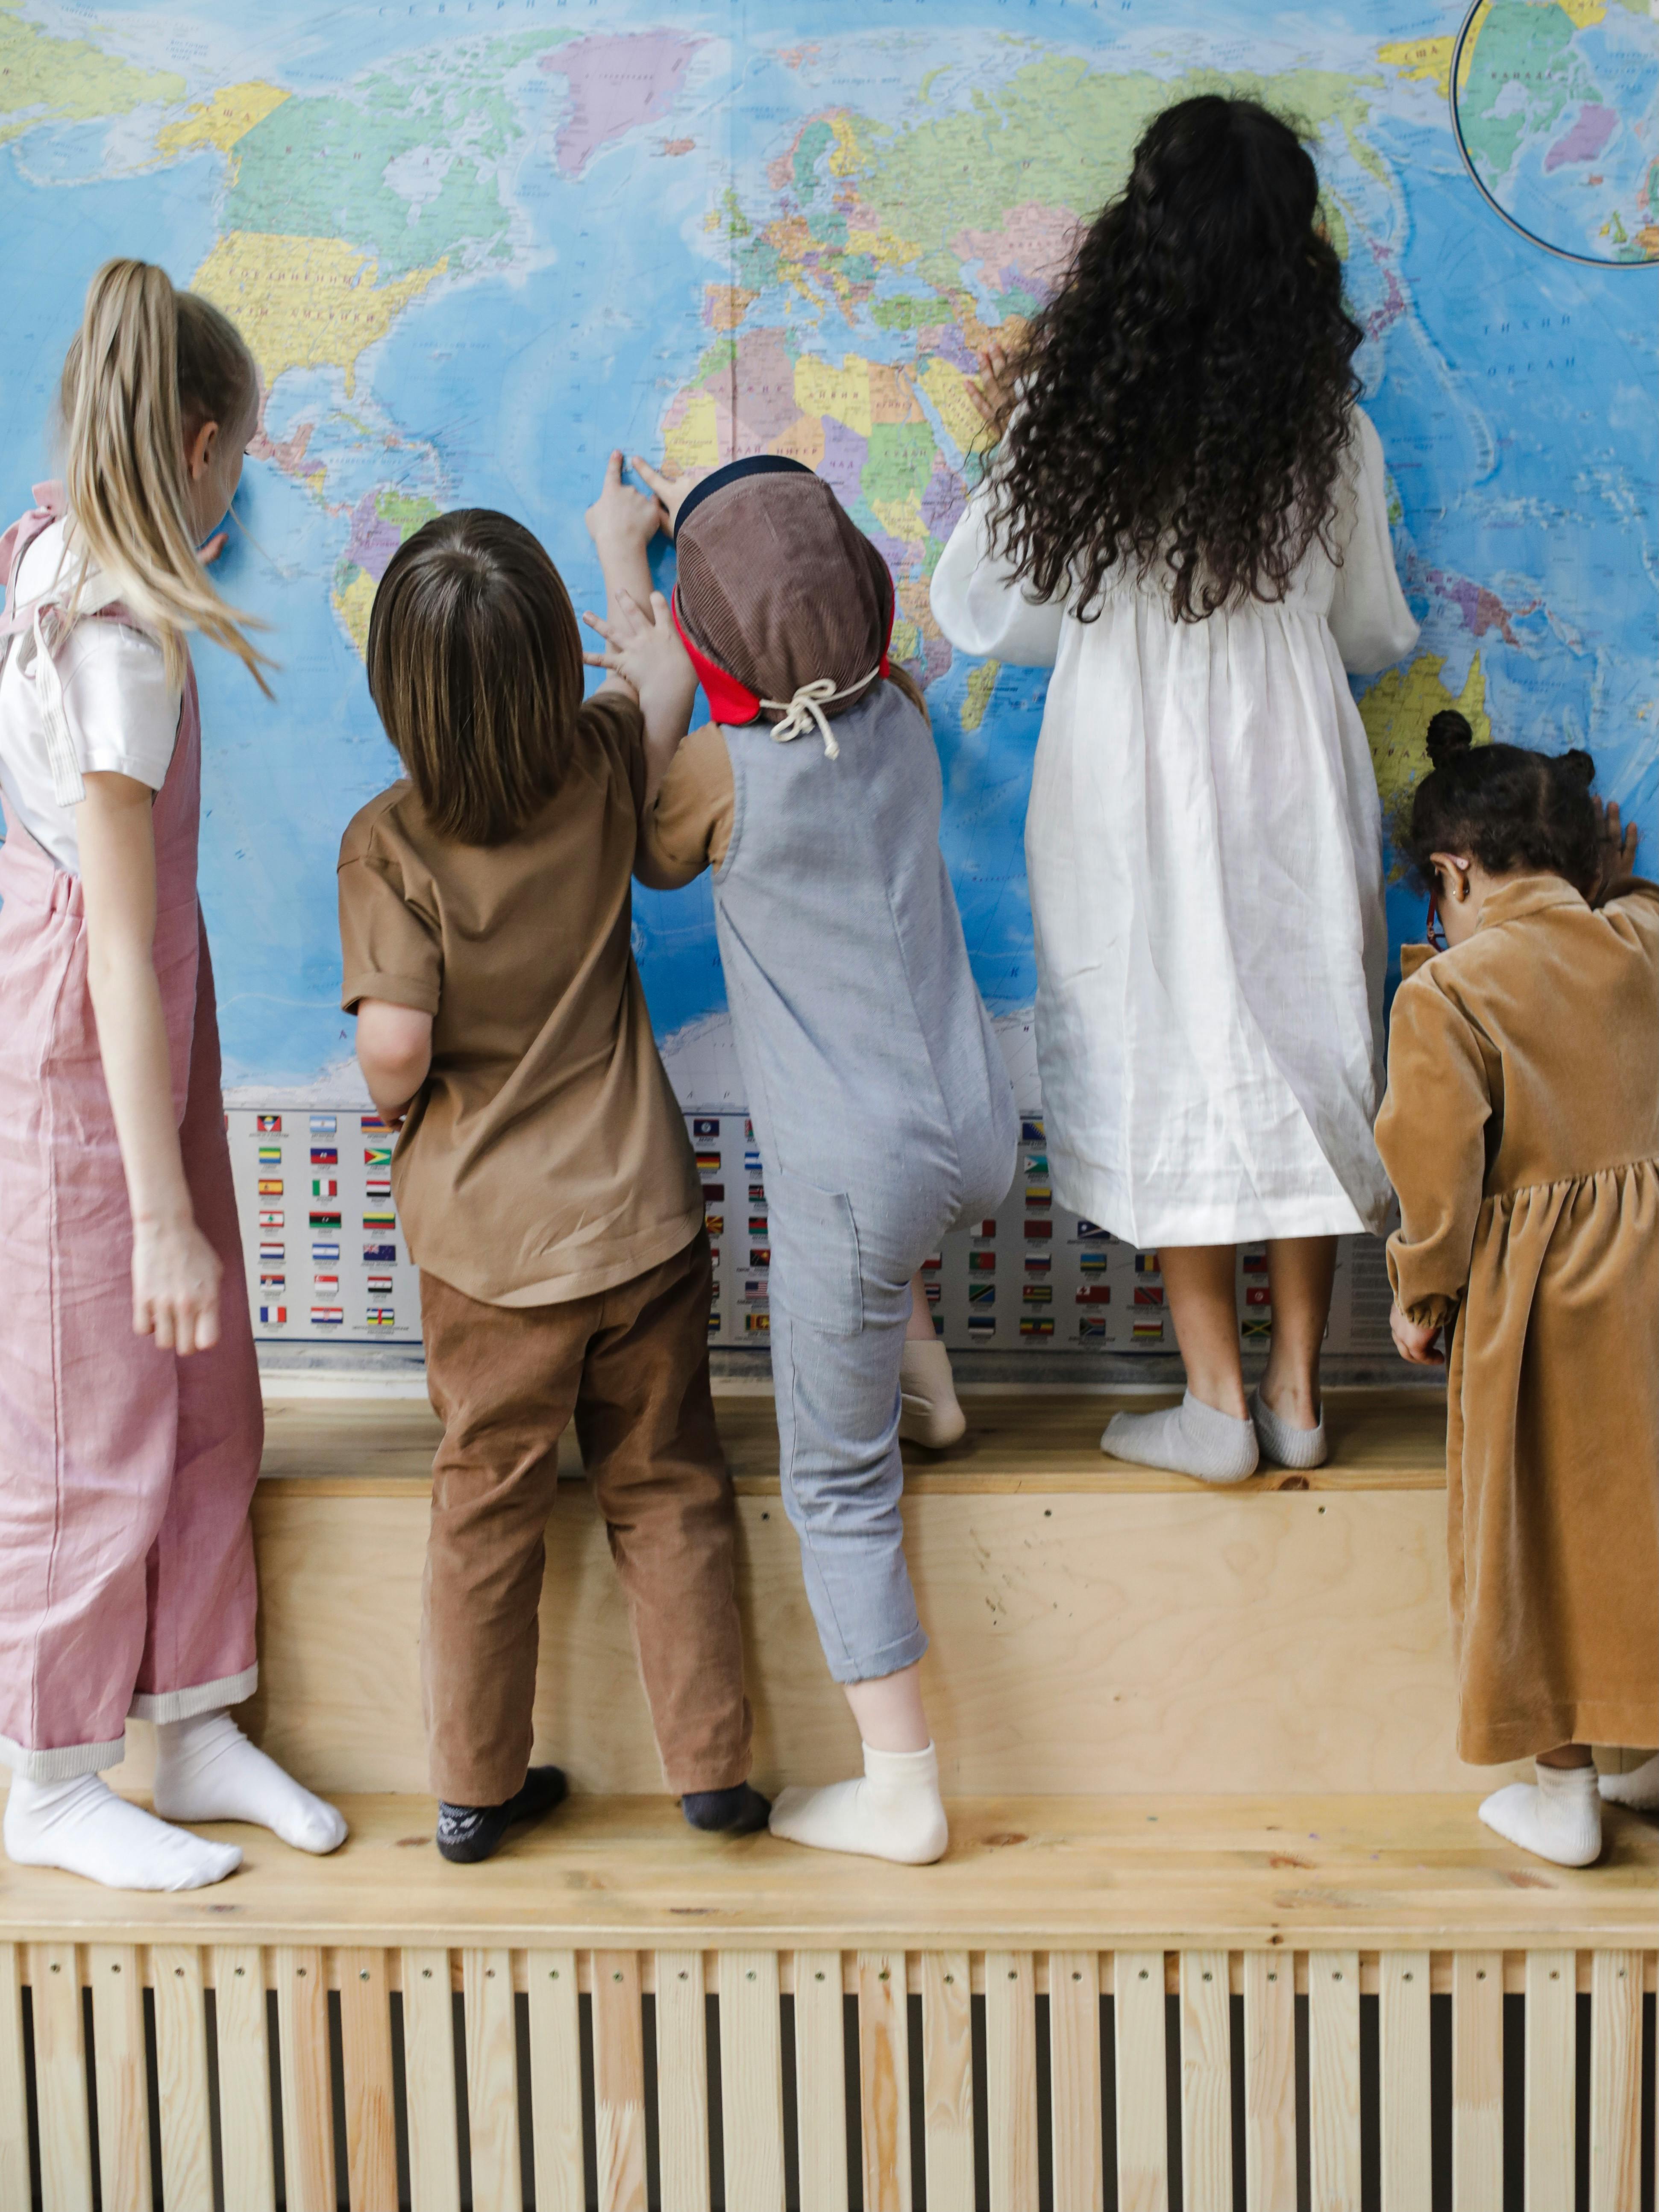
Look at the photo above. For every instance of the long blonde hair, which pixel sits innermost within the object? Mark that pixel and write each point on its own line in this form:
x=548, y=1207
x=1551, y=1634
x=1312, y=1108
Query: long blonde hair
x=149, y=366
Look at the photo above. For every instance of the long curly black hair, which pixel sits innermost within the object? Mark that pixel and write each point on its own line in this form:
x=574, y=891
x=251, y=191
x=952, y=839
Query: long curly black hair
x=1184, y=398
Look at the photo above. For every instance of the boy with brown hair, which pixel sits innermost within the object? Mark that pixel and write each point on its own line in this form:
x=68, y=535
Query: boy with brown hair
x=542, y=1174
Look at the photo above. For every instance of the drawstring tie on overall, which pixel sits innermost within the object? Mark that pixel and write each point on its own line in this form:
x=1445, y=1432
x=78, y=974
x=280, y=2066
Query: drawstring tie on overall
x=806, y=708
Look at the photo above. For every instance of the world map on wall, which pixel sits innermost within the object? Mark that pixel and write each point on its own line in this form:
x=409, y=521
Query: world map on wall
x=475, y=244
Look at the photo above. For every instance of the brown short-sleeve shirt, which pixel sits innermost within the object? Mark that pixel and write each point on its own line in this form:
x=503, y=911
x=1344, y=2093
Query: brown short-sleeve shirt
x=545, y=1157
x=688, y=828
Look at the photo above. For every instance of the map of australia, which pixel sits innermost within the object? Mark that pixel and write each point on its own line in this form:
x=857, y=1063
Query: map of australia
x=472, y=251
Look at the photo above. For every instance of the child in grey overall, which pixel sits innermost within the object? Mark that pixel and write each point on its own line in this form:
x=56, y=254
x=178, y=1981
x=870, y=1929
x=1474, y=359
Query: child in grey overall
x=880, y=1103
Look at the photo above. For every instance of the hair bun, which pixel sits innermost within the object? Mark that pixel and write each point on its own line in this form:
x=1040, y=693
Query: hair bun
x=1448, y=734
x=1579, y=765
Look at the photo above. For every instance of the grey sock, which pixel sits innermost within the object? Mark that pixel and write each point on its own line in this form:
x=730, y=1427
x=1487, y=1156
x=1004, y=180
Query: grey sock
x=1190, y=1438
x=1279, y=1441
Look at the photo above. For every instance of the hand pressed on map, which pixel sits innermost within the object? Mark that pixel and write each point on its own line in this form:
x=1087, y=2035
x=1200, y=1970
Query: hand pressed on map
x=992, y=391
x=670, y=490
x=1618, y=855
x=645, y=653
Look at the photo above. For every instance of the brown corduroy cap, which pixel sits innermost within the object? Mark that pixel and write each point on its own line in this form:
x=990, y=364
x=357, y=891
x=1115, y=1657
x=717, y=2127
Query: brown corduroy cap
x=777, y=584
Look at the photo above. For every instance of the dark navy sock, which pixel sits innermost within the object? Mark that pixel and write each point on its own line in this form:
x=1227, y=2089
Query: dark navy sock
x=739, y=1811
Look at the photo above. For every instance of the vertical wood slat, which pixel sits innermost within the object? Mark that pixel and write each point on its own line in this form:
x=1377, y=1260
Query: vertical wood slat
x=1010, y=2099
x=181, y=2067
x=1477, y=2081
x=947, y=2076
x=122, y=2073
x=885, y=2080
x=1615, y=2144
x=619, y=2080
x=1269, y=2081
x=682, y=2080
x=60, y=2077
x=244, y=2129
x=555, y=2082
x=821, y=2081
x=1403, y=2041
x=308, y=2096
x=365, y=2062
x=751, y=2081
x=14, y=2094
x=1551, y=2079
x=434, y=2163
x=1143, y=2142
x=492, y=2081
x=1073, y=2082
x=1207, y=2083
x=1333, y=2080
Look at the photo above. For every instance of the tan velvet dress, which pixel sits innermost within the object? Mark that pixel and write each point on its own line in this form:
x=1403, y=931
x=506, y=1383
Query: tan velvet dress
x=1520, y=1130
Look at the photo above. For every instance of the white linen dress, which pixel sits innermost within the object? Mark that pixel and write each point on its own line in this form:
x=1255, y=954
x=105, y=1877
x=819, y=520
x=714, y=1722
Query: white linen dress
x=1204, y=850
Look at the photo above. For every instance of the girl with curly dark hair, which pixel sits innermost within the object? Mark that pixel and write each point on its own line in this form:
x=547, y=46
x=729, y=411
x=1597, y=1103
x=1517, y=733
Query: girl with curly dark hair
x=1187, y=518
x=1520, y=1130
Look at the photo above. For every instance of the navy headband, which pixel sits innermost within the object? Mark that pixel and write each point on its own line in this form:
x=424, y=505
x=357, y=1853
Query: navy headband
x=758, y=464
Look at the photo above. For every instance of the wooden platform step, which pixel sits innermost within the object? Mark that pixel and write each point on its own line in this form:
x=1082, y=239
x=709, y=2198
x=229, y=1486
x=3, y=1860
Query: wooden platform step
x=1082, y=1989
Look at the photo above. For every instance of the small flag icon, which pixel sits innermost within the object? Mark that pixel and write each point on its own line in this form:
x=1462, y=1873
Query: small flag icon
x=758, y=1324
x=709, y=1163
x=1043, y=1327
x=370, y=1122
x=272, y=1251
x=1090, y=1331
x=273, y=1316
x=1039, y=1229
x=1147, y=1263
x=375, y=1255
x=378, y=1284
x=274, y=1281
x=1031, y=1133
x=322, y=1253
x=1037, y=1294
x=934, y=1260
x=270, y=1156
x=380, y=1217
x=270, y=1186
x=1147, y=1331
x=271, y=1219
x=981, y=1325
x=322, y=1125
x=325, y=1155
x=268, y=1125
x=1090, y=1232
x=760, y=1255
x=982, y=1263
x=982, y=1294
x=324, y=1187
x=1094, y=1294
x=1148, y=1295
x=1039, y=1193
x=377, y=1186
x=382, y=1317
x=377, y=1156
x=1092, y=1263
x=328, y=1316
x=714, y=1193
x=715, y=1224
x=706, y=1125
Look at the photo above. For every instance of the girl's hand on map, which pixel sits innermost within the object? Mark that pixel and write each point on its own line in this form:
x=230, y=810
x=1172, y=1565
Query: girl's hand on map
x=645, y=653
x=1618, y=857
x=670, y=490
x=621, y=521
x=992, y=391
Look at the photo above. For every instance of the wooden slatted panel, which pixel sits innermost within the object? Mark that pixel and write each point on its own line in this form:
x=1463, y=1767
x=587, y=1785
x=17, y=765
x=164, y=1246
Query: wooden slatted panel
x=492, y=2081
x=619, y=2080
x=1333, y=2080
x=555, y=2082
x=1074, y=2081
x=14, y=2096
x=821, y=2081
x=434, y=2163
x=1403, y=2039
x=60, y=2077
x=751, y=2081
x=181, y=2067
x=1010, y=2099
x=1478, y=2081
x=1269, y=2081
x=245, y=2130
x=682, y=2080
x=1142, y=2137
x=1551, y=2079
x=947, y=2076
x=307, y=2098
x=123, y=2075
x=885, y=2080
x=1207, y=2083
x=1615, y=2178
x=366, y=2060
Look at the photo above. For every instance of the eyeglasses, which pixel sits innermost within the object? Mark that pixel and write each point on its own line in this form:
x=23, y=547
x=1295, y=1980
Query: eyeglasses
x=1436, y=930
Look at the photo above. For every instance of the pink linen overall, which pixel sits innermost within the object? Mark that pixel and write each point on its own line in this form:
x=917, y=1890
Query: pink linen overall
x=126, y=1557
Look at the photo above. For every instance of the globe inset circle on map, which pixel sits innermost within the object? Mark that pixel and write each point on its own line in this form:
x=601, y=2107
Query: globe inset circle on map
x=1555, y=108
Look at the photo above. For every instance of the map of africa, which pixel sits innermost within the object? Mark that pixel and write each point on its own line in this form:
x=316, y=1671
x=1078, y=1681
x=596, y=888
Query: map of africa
x=474, y=244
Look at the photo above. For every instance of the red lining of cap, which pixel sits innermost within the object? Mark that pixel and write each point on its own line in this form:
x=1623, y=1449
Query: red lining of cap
x=733, y=703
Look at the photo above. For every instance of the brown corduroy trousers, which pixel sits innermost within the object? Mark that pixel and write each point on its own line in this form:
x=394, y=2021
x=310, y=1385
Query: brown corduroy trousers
x=631, y=1365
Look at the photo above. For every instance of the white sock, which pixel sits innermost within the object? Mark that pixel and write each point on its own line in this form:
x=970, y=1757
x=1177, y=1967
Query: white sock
x=1288, y=1446
x=1190, y=1438
x=1559, y=1817
x=1639, y=1790
x=82, y=1827
x=895, y=1812
x=928, y=1412
x=207, y=1770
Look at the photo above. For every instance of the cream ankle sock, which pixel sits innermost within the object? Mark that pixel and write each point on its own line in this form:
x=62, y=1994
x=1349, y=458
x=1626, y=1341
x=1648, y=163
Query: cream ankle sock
x=1559, y=1817
x=82, y=1827
x=1639, y=1790
x=1286, y=1446
x=207, y=1770
x=928, y=1412
x=895, y=1812
x=1190, y=1438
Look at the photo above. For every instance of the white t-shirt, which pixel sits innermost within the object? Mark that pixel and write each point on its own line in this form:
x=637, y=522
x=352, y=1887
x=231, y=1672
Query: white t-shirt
x=123, y=713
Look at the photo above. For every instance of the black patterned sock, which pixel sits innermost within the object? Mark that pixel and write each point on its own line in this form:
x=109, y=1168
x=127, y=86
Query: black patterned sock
x=467, y=1833
x=737, y=1812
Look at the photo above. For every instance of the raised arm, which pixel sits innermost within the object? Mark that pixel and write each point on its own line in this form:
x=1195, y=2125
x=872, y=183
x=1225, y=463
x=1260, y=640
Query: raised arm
x=1371, y=623
x=643, y=654
x=175, y=1271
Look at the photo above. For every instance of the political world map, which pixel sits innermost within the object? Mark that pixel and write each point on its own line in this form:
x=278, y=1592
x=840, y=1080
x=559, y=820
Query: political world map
x=475, y=244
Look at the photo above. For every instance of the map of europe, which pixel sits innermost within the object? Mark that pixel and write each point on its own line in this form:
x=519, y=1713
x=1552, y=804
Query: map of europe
x=476, y=243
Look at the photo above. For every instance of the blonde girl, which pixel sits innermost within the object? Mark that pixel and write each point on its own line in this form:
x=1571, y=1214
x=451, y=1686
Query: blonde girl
x=129, y=1415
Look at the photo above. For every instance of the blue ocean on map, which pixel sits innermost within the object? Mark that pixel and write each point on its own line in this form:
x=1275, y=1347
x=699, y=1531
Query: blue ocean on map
x=474, y=248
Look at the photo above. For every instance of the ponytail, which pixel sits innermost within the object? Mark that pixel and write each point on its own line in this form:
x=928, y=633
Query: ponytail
x=149, y=366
